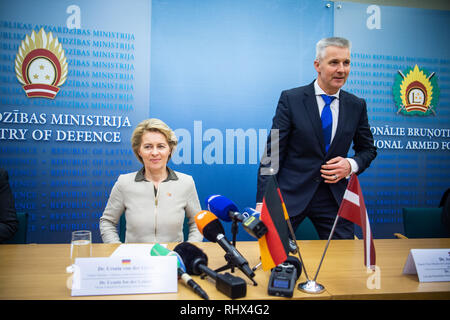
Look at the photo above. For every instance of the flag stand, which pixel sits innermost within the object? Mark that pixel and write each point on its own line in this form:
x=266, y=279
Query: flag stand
x=352, y=209
x=311, y=286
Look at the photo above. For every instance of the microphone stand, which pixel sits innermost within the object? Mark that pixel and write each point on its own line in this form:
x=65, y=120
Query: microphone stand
x=228, y=258
x=234, y=231
x=231, y=265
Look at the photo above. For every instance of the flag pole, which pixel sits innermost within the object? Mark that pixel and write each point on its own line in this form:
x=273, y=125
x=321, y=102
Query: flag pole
x=291, y=230
x=311, y=286
x=326, y=247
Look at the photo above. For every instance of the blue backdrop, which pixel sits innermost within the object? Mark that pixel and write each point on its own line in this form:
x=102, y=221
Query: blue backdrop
x=58, y=174
x=213, y=71
x=412, y=168
x=218, y=68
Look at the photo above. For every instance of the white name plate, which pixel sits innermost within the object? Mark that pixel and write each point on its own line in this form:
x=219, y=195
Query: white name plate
x=107, y=276
x=430, y=265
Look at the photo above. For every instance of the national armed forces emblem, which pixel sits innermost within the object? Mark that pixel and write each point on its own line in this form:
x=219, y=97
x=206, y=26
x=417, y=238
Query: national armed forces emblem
x=41, y=65
x=416, y=92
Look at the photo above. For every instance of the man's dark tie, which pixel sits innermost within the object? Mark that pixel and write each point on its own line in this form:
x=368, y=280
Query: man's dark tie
x=327, y=120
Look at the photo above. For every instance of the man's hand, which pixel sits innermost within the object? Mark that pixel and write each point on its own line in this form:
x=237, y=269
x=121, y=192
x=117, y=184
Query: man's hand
x=335, y=169
x=258, y=207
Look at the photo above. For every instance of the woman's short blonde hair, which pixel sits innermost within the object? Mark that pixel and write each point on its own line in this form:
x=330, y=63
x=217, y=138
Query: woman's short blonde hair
x=152, y=125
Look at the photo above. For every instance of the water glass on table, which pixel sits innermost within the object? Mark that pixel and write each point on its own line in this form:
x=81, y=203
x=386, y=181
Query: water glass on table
x=81, y=245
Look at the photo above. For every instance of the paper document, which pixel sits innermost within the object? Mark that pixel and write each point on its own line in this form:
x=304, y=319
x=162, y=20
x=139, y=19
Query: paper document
x=133, y=275
x=430, y=265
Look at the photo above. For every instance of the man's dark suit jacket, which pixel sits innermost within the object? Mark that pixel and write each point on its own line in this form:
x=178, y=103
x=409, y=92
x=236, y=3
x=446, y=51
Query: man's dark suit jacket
x=8, y=217
x=302, y=148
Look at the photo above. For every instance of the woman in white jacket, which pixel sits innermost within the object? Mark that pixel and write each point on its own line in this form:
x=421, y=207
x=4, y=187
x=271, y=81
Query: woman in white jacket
x=155, y=199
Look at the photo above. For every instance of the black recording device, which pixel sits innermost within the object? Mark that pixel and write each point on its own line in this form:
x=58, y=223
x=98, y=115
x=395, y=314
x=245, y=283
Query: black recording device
x=283, y=278
x=252, y=224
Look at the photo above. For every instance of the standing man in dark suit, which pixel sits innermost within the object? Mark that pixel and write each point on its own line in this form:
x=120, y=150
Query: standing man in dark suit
x=8, y=216
x=312, y=131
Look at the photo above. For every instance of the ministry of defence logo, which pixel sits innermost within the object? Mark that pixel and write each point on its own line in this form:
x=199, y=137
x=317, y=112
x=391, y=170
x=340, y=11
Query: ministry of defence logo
x=416, y=92
x=41, y=65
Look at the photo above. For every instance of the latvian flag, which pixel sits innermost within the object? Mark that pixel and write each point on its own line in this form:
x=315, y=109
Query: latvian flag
x=274, y=245
x=353, y=209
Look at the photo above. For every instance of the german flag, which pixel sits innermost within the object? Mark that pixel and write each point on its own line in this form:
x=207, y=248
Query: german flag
x=274, y=245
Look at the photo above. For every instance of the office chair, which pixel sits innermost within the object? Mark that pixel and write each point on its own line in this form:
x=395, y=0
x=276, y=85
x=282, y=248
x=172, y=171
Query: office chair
x=306, y=231
x=122, y=228
x=20, y=237
x=422, y=223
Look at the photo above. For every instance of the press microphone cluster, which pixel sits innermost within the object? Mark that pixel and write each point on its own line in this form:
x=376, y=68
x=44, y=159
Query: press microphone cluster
x=159, y=250
x=212, y=229
x=197, y=263
x=226, y=210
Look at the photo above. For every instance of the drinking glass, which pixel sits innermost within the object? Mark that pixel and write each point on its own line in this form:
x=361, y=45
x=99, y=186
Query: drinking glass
x=81, y=245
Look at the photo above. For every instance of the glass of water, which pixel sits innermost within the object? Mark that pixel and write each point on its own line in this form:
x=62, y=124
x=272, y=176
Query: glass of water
x=81, y=245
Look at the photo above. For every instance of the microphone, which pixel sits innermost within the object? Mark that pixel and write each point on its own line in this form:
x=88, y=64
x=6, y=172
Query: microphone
x=260, y=231
x=223, y=208
x=197, y=263
x=251, y=212
x=252, y=224
x=226, y=210
x=212, y=229
x=159, y=250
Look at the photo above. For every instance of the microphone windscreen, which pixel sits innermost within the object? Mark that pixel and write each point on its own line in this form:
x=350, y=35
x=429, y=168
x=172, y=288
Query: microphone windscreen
x=159, y=250
x=220, y=206
x=208, y=225
x=192, y=256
